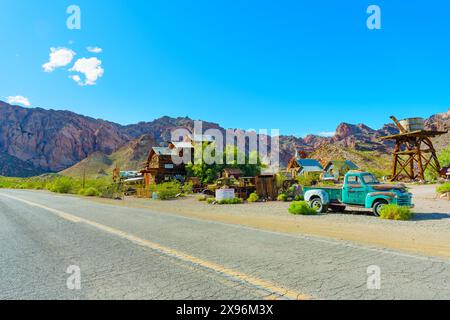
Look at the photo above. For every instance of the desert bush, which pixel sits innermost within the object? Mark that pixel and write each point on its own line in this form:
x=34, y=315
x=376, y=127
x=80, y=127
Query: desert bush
x=167, y=190
x=299, y=198
x=253, y=197
x=301, y=208
x=444, y=160
x=91, y=192
x=308, y=179
x=443, y=188
x=111, y=191
x=202, y=198
x=188, y=188
x=282, y=197
x=280, y=179
x=63, y=185
x=210, y=200
x=22, y=183
x=396, y=212
x=231, y=201
x=60, y=184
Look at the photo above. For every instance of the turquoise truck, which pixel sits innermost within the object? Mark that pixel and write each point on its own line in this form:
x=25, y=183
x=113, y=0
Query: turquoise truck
x=360, y=189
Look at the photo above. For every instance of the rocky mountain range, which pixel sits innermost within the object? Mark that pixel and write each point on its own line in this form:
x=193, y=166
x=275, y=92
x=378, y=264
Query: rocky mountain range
x=36, y=140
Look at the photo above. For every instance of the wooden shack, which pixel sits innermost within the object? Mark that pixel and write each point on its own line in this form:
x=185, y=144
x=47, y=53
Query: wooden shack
x=339, y=168
x=161, y=168
x=184, y=149
x=266, y=186
x=232, y=173
x=297, y=166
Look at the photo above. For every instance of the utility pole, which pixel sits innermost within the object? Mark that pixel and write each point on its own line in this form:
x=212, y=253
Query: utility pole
x=84, y=178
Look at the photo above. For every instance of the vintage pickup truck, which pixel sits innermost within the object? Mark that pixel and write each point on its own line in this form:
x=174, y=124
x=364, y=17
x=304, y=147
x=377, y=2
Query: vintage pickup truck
x=360, y=189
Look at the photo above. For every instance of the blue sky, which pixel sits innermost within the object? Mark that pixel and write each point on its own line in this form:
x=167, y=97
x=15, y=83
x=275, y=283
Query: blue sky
x=298, y=66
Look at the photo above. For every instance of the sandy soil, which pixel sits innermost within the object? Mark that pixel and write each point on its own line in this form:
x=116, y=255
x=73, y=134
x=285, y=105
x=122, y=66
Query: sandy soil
x=428, y=233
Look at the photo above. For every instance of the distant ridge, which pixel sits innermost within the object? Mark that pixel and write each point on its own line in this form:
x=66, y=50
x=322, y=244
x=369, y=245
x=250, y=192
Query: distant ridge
x=52, y=141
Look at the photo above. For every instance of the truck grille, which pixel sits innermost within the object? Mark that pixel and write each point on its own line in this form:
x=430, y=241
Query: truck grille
x=404, y=200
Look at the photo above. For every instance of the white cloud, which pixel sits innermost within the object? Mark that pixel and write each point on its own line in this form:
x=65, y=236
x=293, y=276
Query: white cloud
x=59, y=57
x=90, y=68
x=327, y=134
x=18, y=100
x=95, y=49
x=76, y=78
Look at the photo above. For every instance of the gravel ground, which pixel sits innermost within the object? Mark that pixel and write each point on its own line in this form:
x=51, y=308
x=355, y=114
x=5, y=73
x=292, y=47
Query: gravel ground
x=428, y=233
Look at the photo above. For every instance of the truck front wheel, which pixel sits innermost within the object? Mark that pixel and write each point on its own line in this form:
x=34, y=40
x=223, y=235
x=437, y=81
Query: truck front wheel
x=318, y=205
x=378, y=205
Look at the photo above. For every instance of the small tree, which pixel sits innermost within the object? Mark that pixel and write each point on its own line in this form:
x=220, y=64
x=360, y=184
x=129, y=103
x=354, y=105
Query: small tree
x=444, y=160
x=308, y=179
x=208, y=173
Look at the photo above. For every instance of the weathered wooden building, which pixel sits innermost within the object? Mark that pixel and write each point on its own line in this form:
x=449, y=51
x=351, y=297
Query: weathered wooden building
x=338, y=168
x=297, y=166
x=232, y=173
x=160, y=166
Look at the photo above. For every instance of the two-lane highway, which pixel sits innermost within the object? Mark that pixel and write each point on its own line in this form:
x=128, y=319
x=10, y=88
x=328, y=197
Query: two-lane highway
x=128, y=253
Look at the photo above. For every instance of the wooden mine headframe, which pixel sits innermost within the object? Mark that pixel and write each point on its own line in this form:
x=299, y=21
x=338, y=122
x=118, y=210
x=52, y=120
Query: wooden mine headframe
x=413, y=153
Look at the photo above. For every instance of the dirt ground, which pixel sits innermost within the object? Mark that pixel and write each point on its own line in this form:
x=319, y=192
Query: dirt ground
x=427, y=234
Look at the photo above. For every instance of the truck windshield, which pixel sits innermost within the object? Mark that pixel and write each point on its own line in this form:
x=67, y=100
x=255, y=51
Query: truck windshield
x=370, y=179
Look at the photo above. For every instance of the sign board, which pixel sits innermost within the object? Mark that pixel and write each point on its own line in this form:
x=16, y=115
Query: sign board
x=224, y=194
x=168, y=166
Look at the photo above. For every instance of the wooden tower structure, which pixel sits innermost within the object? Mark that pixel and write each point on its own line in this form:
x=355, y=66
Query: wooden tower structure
x=414, y=152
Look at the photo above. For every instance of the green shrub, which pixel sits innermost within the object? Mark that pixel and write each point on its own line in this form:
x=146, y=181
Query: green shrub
x=231, y=201
x=396, y=212
x=308, y=179
x=280, y=179
x=282, y=197
x=210, y=200
x=443, y=188
x=253, y=197
x=63, y=185
x=202, y=198
x=301, y=208
x=188, y=188
x=299, y=198
x=91, y=192
x=167, y=190
x=112, y=191
x=444, y=160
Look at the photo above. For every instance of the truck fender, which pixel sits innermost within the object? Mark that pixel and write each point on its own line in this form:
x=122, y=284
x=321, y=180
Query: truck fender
x=317, y=193
x=375, y=196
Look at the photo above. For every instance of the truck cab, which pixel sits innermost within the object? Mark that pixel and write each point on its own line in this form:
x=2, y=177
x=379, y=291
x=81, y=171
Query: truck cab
x=360, y=189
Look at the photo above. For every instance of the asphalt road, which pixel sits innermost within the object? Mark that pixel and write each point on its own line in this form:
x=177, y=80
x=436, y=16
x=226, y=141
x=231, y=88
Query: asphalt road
x=127, y=253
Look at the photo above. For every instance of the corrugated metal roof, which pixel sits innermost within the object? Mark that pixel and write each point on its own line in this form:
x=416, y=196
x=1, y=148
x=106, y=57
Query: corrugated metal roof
x=309, y=163
x=312, y=169
x=163, y=151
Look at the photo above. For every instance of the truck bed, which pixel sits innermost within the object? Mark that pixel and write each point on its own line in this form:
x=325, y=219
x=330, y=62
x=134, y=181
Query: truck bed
x=335, y=192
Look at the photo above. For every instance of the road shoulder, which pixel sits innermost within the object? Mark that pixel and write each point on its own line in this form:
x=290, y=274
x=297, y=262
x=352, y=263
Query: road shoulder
x=429, y=236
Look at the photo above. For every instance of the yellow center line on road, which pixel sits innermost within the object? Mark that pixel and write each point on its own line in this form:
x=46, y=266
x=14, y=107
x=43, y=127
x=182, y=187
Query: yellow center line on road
x=275, y=290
